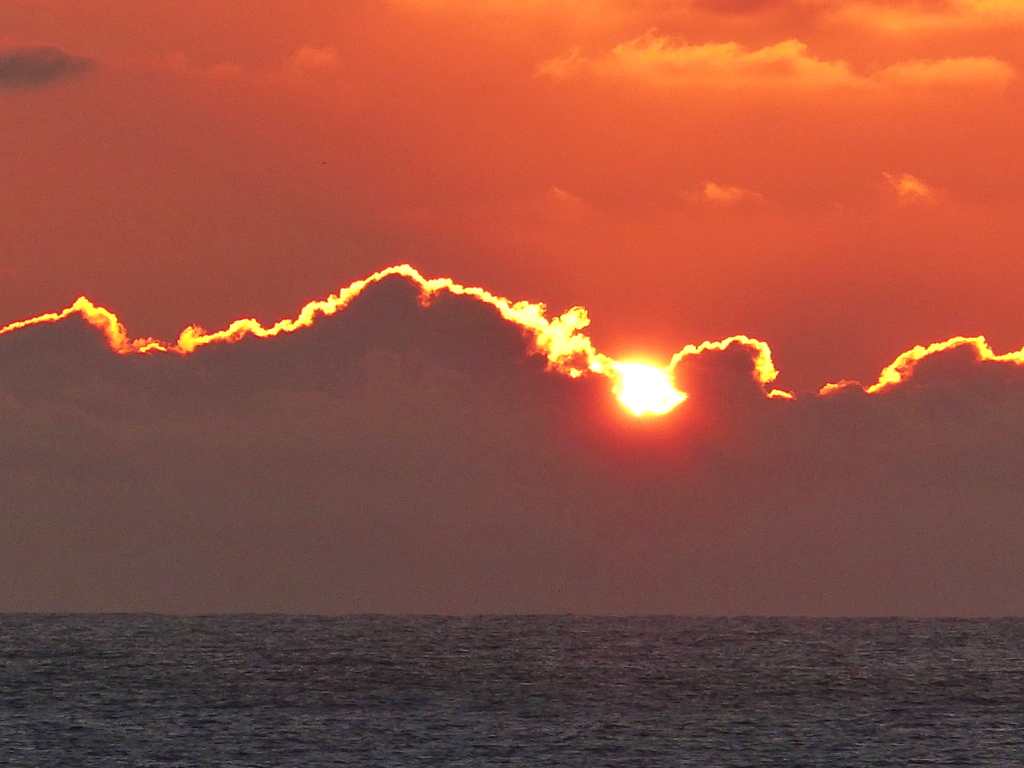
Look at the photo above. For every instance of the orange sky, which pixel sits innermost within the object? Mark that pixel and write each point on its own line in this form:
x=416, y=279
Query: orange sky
x=841, y=179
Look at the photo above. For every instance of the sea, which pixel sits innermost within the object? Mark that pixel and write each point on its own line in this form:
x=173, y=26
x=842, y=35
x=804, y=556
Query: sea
x=577, y=691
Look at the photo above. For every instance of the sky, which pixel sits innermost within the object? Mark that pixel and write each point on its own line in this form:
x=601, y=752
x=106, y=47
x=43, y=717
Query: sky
x=806, y=213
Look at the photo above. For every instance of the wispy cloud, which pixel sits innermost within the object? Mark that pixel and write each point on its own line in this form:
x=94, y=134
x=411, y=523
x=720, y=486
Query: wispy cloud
x=910, y=189
x=964, y=71
x=662, y=61
x=912, y=17
x=666, y=62
x=724, y=194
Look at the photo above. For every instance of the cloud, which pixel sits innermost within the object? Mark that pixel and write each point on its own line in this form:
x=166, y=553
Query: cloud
x=916, y=17
x=958, y=362
x=972, y=354
x=910, y=189
x=724, y=194
x=39, y=67
x=664, y=62
x=416, y=452
x=965, y=72
x=390, y=308
x=661, y=61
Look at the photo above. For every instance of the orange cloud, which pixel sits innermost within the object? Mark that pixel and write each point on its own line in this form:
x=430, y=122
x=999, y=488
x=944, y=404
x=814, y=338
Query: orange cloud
x=658, y=60
x=567, y=350
x=910, y=189
x=566, y=347
x=839, y=386
x=764, y=370
x=102, y=319
x=643, y=388
x=952, y=15
x=902, y=368
x=727, y=195
x=664, y=62
x=966, y=71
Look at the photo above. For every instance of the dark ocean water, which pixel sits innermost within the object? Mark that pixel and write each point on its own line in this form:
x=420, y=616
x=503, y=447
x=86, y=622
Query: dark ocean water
x=493, y=691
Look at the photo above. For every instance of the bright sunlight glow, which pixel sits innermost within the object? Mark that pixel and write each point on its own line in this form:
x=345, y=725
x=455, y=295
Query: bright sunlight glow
x=646, y=390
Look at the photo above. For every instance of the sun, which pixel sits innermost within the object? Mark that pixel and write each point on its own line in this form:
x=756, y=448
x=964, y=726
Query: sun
x=645, y=390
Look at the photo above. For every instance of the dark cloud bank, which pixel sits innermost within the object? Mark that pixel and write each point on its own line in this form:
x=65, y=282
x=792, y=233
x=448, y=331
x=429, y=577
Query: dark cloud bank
x=38, y=67
x=406, y=459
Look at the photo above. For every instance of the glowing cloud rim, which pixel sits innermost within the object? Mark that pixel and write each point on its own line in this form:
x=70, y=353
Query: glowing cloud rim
x=568, y=351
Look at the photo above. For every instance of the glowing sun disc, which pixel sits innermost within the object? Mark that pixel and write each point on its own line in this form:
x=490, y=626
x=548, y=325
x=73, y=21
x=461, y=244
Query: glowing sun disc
x=646, y=390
